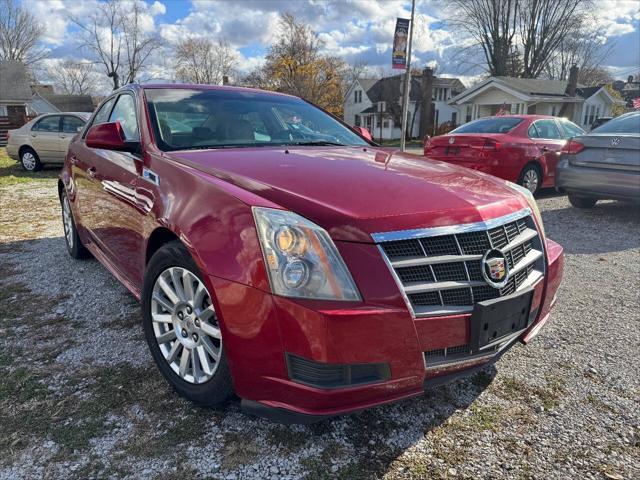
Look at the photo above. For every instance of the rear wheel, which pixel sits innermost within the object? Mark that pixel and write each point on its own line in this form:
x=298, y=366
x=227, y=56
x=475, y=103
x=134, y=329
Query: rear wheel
x=531, y=178
x=579, y=201
x=29, y=160
x=182, y=328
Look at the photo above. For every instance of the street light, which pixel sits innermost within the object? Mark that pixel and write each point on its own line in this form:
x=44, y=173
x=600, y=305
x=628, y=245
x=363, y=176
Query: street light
x=407, y=82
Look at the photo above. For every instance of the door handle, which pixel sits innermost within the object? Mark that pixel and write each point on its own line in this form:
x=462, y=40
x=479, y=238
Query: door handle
x=92, y=172
x=544, y=149
x=33, y=135
x=63, y=136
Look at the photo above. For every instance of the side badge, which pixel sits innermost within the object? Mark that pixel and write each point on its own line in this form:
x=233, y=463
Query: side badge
x=150, y=176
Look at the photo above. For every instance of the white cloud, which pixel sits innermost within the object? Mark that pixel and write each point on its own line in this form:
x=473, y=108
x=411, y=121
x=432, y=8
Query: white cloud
x=352, y=29
x=158, y=8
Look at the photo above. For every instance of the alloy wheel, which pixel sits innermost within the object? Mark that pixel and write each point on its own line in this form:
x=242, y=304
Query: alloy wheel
x=185, y=325
x=29, y=161
x=530, y=180
x=67, y=221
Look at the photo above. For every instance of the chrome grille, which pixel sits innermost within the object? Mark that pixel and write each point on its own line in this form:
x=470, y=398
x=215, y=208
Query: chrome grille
x=439, y=270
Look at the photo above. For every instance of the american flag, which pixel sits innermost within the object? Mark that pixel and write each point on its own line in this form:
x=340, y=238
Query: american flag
x=636, y=103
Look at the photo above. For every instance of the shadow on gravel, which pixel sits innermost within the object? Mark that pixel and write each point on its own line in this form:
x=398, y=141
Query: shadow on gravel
x=368, y=433
x=77, y=399
x=608, y=227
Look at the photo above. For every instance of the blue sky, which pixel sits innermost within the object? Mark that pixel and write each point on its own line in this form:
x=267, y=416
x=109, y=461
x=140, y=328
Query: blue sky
x=354, y=30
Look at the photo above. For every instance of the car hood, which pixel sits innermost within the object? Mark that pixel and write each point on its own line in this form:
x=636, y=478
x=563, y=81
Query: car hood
x=353, y=192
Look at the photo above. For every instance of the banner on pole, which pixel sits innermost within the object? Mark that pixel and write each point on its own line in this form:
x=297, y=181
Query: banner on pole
x=400, y=40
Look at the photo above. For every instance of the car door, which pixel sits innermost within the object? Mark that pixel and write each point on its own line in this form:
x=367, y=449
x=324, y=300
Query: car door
x=115, y=217
x=45, y=138
x=549, y=141
x=71, y=125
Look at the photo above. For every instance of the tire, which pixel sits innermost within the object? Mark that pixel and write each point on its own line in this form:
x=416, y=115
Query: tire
x=582, y=202
x=29, y=160
x=184, y=324
x=74, y=246
x=531, y=178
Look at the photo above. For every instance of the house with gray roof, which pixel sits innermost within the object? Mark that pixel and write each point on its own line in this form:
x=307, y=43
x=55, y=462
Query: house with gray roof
x=375, y=103
x=53, y=103
x=15, y=93
x=578, y=103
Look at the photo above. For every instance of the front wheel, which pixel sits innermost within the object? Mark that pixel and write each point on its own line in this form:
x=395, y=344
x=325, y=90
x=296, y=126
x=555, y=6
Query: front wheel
x=582, y=202
x=182, y=327
x=531, y=178
x=74, y=246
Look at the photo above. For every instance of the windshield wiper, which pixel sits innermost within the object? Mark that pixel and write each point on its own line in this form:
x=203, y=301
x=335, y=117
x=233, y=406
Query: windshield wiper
x=318, y=143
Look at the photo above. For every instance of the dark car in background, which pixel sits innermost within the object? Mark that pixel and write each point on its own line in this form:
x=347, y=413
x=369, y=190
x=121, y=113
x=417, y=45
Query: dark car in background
x=524, y=149
x=604, y=164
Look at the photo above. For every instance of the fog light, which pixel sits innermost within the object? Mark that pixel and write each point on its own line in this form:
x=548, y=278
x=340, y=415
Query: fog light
x=295, y=274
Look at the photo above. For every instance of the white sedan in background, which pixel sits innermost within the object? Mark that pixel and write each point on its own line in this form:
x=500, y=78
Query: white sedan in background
x=44, y=139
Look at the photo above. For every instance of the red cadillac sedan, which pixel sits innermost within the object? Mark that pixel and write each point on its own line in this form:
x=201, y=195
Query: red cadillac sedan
x=520, y=148
x=281, y=256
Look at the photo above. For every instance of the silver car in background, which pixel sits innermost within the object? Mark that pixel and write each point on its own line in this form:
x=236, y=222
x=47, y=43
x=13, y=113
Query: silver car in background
x=44, y=139
x=603, y=164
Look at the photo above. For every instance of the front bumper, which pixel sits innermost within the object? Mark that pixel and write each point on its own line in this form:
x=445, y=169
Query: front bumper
x=597, y=182
x=258, y=345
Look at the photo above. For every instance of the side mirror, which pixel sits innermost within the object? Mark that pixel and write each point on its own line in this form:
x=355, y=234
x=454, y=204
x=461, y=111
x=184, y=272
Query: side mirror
x=109, y=136
x=363, y=132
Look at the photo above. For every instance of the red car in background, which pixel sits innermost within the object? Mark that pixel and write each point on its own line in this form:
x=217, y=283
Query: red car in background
x=524, y=149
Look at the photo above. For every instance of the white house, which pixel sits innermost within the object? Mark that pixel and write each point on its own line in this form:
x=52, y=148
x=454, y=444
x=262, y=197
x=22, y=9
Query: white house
x=580, y=104
x=368, y=103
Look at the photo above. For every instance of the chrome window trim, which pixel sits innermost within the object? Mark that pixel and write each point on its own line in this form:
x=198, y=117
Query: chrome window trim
x=451, y=229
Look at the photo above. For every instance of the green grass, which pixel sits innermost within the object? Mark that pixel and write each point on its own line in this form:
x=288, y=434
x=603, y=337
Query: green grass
x=11, y=173
x=396, y=143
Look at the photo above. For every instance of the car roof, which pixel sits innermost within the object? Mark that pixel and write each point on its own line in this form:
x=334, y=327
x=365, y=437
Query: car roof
x=195, y=86
x=78, y=114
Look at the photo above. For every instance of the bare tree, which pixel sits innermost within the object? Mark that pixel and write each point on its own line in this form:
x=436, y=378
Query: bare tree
x=583, y=49
x=199, y=60
x=492, y=24
x=355, y=71
x=517, y=37
x=20, y=33
x=74, y=78
x=99, y=34
x=113, y=35
x=138, y=44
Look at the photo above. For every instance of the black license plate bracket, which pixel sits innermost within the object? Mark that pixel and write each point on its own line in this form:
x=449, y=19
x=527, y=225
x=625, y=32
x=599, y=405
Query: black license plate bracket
x=494, y=320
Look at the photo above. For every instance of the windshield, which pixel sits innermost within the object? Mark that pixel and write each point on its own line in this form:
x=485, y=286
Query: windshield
x=489, y=125
x=187, y=119
x=624, y=124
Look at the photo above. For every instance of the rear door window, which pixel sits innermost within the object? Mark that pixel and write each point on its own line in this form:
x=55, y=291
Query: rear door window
x=48, y=124
x=71, y=124
x=125, y=113
x=533, y=131
x=548, y=129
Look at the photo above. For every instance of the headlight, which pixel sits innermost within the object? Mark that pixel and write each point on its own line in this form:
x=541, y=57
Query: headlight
x=301, y=258
x=532, y=203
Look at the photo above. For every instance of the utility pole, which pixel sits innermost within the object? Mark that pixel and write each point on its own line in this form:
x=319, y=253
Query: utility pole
x=407, y=81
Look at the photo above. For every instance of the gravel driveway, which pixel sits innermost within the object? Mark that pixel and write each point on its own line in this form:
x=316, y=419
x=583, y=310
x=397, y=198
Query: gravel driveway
x=81, y=398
